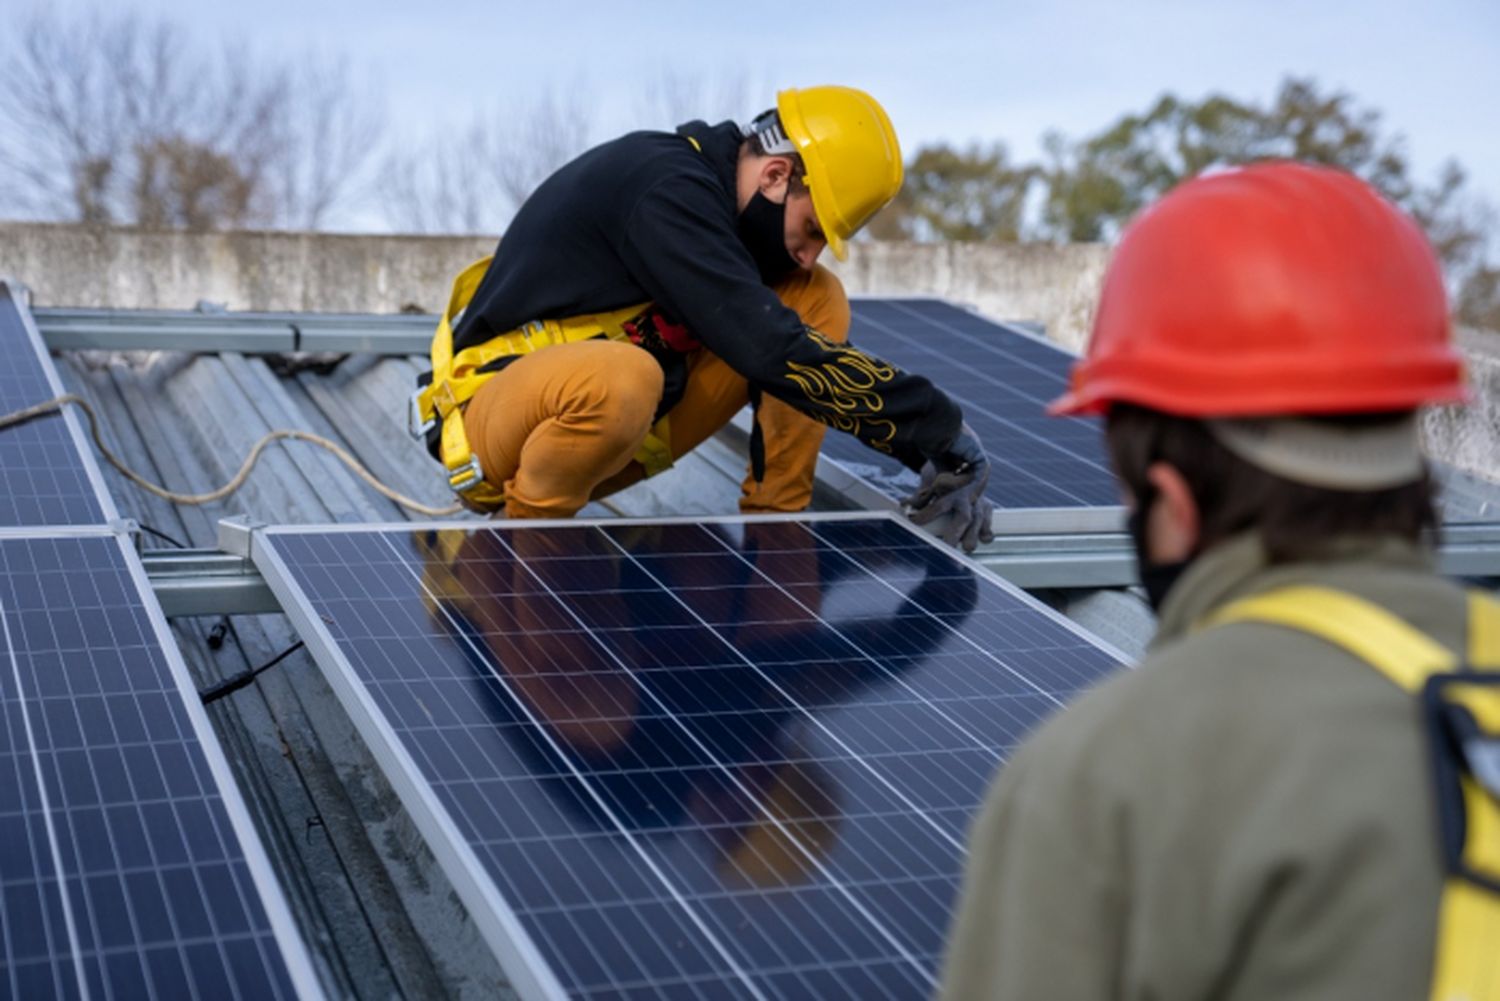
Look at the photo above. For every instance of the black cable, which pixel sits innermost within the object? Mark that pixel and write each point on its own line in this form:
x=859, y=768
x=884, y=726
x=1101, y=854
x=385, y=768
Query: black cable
x=236, y=682
x=161, y=535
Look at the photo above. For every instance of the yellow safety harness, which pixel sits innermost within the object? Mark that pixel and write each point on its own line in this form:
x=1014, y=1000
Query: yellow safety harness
x=457, y=377
x=1462, y=710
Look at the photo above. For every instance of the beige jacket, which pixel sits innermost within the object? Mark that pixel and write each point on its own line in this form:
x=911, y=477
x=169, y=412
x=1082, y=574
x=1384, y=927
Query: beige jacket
x=1246, y=815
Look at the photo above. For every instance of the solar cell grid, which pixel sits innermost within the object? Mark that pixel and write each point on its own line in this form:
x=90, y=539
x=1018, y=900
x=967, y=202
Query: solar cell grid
x=120, y=871
x=43, y=478
x=1003, y=379
x=695, y=761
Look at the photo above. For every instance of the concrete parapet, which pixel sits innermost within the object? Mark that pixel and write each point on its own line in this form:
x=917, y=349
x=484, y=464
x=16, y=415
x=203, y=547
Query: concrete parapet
x=1053, y=285
x=139, y=269
x=1469, y=437
x=68, y=265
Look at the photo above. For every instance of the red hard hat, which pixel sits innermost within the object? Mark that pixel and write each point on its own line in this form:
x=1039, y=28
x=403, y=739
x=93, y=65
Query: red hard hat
x=1273, y=289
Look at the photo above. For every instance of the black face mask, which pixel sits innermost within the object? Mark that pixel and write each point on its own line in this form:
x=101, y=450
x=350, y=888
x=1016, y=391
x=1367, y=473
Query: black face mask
x=1156, y=578
x=762, y=228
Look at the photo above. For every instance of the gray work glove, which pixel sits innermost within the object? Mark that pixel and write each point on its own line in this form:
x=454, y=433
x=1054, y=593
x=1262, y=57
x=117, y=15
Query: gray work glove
x=953, y=485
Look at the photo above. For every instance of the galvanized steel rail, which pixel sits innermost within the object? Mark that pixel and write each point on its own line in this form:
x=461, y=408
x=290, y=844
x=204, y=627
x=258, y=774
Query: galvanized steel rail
x=251, y=333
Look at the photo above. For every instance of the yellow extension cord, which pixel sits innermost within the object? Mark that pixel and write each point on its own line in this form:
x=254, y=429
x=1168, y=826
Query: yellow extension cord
x=56, y=404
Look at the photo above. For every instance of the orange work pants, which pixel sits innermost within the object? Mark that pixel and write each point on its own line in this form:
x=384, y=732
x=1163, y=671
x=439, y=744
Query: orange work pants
x=560, y=427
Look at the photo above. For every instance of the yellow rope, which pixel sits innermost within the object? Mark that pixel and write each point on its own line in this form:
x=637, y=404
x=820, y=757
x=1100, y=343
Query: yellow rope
x=31, y=413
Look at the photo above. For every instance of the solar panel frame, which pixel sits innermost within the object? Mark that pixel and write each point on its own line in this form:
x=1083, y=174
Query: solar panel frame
x=12, y=299
x=496, y=919
x=293, y=950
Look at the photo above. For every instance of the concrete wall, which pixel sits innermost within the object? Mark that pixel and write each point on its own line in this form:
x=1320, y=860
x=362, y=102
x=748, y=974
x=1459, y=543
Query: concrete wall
x=1056, y=286
x=136, y=269
x=139, y=269
x=1469, y=436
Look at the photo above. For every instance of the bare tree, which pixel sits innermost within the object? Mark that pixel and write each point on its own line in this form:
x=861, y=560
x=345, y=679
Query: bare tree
x=181, y=185
x=673, y=96
x=530, y=141
x=443, y=185
x=327, y=139
x=475, y=181
x=119, y=120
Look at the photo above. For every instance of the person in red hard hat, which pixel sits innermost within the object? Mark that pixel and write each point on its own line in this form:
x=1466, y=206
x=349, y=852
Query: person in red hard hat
x=1297, y=793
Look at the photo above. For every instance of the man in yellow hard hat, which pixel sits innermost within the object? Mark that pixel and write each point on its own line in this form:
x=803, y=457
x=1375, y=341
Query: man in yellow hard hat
x=651, y=287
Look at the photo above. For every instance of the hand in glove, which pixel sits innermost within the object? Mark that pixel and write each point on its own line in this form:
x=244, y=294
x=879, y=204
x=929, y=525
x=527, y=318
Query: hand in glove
x=953, y=484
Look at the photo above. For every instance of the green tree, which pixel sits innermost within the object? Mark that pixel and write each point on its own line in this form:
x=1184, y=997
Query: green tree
x=972, y=194
x=1088, y=189
x=1095, y=185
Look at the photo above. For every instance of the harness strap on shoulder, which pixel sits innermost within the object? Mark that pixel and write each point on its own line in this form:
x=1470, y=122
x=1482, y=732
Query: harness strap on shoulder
x=1467, y=963
x=1403, y=654
x=1468, y=957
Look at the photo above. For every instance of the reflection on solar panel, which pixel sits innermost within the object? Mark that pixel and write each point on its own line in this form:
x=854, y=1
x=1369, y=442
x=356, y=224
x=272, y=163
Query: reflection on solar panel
x=1003, y=379
x=43, y=478
x=687, y=760
x=121, y=873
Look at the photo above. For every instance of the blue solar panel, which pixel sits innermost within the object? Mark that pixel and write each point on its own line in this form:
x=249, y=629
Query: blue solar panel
x=121, y=874
x=1003, y=379
x=44, y=480
x=687, y=760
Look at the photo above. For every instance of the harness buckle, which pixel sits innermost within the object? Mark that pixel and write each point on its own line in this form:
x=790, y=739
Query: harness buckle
x=415, y=426
x=466, y=477
x=1464, y=750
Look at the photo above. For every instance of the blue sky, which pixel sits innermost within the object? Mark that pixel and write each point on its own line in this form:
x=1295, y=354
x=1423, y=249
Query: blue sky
x=946, y=70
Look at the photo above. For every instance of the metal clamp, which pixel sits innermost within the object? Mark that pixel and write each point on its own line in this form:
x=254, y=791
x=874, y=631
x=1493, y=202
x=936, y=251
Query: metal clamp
x=415, y=426
x=466, y=477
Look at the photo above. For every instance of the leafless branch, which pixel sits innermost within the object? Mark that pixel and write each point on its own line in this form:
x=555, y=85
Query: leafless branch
x=118, y=119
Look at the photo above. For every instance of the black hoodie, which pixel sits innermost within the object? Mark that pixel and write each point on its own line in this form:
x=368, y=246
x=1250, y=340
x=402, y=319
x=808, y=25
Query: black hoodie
x=649, y=217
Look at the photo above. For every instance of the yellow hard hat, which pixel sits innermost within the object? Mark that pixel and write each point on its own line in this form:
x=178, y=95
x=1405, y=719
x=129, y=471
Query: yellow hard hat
x=850, y=150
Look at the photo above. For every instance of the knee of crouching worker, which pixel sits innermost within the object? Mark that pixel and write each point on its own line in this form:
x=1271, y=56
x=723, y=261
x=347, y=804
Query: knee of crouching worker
x=632, y=390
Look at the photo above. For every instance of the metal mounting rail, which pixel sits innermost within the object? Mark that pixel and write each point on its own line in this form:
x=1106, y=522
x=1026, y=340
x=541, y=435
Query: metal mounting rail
x=1072, y=560
x=1470, y=549
x=252, y=333
x=206, y=582
x=1107, y=559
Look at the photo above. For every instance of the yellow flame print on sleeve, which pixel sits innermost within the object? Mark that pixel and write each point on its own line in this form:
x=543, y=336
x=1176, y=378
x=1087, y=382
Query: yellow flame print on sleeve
x=845, y=390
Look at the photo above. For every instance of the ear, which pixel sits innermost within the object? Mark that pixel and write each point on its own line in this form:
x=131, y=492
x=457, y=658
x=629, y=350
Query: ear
x=775, y=172
x=1174, y=522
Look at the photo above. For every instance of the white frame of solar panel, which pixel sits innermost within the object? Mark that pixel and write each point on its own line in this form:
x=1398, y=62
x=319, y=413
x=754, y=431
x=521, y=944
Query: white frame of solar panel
x=20, y=296
x=293, y=949
x=531, y=976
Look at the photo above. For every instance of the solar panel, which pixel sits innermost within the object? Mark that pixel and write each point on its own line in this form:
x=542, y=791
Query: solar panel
x=125, y=871
x=686, y=760
x=44, y=478
x=1003, y=378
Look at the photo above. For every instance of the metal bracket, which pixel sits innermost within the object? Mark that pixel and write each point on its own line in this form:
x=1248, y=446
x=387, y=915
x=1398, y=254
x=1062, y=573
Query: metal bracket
x=237, y=534
x=191, y=582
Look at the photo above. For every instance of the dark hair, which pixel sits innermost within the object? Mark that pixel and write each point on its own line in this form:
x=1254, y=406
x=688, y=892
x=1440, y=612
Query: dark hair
x=1295, y=521
x=755, y=141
